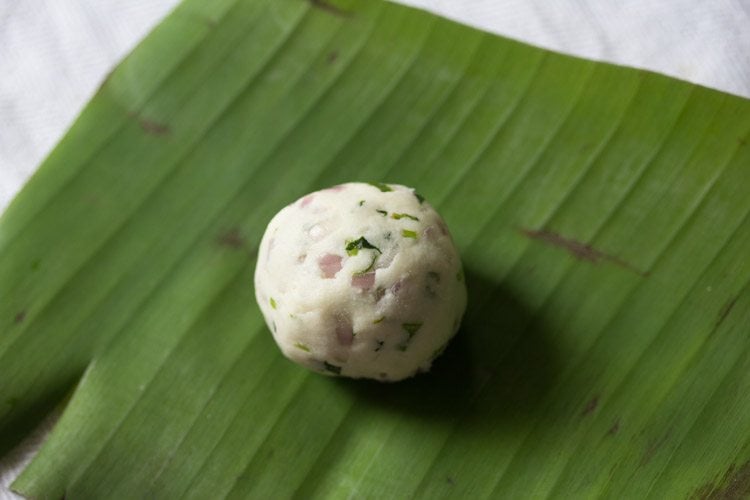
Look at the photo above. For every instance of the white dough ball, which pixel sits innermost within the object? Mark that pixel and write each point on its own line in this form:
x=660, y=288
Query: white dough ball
x=360, y=280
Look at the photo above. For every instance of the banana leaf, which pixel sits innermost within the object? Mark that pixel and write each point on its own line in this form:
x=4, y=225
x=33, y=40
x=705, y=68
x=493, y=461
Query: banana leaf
x=601, y=213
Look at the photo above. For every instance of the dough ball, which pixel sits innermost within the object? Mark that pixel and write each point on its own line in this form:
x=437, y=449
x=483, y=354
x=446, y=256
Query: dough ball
x=360, y=280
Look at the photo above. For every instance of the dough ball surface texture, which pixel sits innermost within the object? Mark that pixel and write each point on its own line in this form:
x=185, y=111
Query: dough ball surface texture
x=360, y=280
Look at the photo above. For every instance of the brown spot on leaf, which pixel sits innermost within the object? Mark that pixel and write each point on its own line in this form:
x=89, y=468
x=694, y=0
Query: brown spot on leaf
x=590, y=406
x=578, y=250
x=150, y=126
x=735, y=485
x=702, y=493
x=450, y=480
x=332, y=56
x=20, y=316
x=231, y=239
x=326, y=6
x=724, y=312
x=652, y=447
x=743, y=140
x=153, y=127
x=614, y=429
x=581, y=251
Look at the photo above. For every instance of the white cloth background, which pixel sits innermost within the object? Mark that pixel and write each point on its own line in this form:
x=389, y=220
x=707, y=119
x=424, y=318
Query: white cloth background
x=54, y=53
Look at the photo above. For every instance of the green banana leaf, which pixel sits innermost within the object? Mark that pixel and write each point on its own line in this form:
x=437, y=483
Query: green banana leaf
x=601, y=212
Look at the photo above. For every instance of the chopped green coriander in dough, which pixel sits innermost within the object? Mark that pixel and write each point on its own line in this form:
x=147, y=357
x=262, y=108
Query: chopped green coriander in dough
x=385, y=188
x=360, y=292
x=411, y=328
x=300, y=345
x=401, y=216
x=331, y=368
x=368, y=268
x=353, y=247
